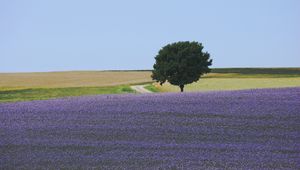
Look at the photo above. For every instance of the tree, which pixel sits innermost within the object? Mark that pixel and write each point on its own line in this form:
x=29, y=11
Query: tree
x=181, y=63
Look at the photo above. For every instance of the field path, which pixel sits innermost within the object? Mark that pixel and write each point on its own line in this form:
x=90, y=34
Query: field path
x=141, y=89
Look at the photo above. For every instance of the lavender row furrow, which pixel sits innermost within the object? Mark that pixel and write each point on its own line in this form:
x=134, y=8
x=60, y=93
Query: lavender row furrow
x=247, y=129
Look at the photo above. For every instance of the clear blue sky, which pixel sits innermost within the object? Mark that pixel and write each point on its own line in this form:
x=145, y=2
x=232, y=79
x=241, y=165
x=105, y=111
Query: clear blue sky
x=52, y=35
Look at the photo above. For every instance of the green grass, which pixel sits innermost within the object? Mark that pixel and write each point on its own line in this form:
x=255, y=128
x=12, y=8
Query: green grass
x=152, y=88
x=48, y=93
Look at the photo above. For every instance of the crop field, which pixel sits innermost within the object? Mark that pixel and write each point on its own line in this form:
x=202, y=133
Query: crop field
x=246, y=129
x=241, y=78
x=72, y=79
x=38, y=86
x=212, y=84
x=261, y=71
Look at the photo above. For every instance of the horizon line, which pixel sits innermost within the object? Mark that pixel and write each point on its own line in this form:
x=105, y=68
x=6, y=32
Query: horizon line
x=141, y=70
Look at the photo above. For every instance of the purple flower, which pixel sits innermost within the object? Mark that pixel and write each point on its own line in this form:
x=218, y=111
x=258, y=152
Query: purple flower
x=247, y=129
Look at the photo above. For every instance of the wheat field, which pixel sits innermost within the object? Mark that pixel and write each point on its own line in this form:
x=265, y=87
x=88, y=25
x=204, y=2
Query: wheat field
x=72, y=79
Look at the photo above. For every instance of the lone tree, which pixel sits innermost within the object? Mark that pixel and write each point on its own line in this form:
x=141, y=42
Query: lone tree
x=181, y=63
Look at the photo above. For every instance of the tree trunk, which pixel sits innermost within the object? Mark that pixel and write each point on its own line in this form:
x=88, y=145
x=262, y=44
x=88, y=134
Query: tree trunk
x=181, y=88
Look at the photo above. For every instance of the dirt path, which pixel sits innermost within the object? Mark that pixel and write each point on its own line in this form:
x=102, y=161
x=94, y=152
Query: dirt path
x=140, y=89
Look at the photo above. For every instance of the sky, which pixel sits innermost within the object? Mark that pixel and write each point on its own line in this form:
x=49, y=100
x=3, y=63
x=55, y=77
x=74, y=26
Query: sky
x=60, y=35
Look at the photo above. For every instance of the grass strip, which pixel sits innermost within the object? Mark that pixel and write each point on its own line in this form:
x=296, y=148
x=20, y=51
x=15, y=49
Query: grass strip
x=152, y=88
x=48, y=93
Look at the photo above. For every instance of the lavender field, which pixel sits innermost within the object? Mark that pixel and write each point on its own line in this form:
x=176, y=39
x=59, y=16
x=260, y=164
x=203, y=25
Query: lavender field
x=247, y=129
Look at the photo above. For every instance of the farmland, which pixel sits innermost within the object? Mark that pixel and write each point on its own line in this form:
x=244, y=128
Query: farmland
x=47, y=93
x=212, y=84
x=241, y=78
x=246, y=129
x=38, y=86
x=72, y=79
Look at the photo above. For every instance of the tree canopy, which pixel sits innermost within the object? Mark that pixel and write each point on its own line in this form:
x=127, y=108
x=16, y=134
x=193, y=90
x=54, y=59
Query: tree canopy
x=181, y=63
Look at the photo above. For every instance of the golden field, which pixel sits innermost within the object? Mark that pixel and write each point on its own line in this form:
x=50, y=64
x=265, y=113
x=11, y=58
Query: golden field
x=72, y=79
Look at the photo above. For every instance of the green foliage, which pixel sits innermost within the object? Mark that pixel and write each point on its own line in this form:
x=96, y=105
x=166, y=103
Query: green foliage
x=47, y=93
x=181, y=63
